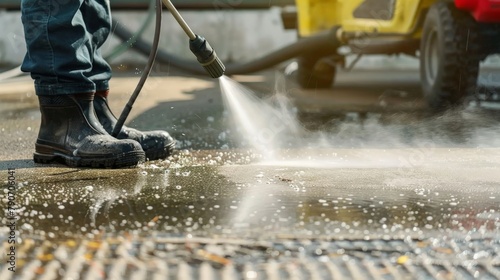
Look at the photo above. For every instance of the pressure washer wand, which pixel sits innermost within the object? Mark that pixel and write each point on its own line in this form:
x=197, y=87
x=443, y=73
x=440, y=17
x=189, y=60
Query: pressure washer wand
x=199, y=46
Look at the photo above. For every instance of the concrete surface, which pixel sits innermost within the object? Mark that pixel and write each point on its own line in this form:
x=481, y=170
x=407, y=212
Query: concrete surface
x=386, y=172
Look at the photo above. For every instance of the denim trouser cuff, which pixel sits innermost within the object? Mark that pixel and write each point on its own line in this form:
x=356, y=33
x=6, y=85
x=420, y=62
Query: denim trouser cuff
x=71, y=88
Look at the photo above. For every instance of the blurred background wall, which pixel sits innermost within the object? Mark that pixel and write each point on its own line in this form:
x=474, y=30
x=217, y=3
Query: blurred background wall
x=237, y=35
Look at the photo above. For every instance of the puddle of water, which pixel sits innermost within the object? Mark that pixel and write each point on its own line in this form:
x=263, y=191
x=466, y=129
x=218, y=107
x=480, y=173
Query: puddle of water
x=267, y=201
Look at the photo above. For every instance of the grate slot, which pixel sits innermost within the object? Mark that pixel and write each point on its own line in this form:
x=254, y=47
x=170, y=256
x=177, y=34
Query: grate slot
x=184, y=272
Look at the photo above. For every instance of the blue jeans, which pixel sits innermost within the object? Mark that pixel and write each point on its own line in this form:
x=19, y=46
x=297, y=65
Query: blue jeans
x=64, y=40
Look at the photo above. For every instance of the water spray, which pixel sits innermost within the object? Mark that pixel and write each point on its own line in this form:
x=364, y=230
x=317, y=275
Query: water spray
x=204, y=53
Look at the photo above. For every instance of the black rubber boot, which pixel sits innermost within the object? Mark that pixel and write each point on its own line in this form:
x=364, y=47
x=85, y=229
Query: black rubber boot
x=157, y=144
x=71, y=134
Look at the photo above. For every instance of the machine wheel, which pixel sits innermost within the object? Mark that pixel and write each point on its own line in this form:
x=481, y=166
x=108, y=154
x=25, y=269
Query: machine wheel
x=315, y=73
x=449, y=56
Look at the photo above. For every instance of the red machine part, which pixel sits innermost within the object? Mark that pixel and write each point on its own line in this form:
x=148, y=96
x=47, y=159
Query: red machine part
x=482, y=10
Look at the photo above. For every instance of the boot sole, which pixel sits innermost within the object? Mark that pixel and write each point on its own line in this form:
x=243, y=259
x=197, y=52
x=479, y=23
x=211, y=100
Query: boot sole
x=160, y=154
x=122, y=160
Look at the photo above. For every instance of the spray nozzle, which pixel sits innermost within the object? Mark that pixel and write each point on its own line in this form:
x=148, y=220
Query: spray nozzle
x=206, y=56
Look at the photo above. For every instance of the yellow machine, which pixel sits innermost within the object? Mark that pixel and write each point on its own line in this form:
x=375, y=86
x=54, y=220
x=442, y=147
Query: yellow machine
x=381, y=17
x=450, y=37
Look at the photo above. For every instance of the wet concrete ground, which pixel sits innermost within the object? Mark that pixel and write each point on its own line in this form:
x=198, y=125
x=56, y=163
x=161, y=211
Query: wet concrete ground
x=390, y=194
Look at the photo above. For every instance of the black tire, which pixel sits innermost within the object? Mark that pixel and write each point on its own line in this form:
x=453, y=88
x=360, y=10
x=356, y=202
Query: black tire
x=449, y=56
x=315, y=72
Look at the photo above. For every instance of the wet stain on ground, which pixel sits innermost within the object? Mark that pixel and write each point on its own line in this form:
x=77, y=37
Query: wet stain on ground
x=257, y=200
x=238, y=217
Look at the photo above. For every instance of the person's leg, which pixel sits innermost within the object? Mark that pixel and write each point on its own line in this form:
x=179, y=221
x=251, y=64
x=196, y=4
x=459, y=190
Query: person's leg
x=156, y=144
x=59, y=48
x=59, y=57
x=97, y=15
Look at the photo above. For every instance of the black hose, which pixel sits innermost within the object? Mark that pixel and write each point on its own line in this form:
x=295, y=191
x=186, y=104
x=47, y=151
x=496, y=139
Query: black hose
x=152, y=51
x=324, y=42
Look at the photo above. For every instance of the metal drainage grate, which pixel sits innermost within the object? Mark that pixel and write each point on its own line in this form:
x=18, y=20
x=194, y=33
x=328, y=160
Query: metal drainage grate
x=198, y=258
